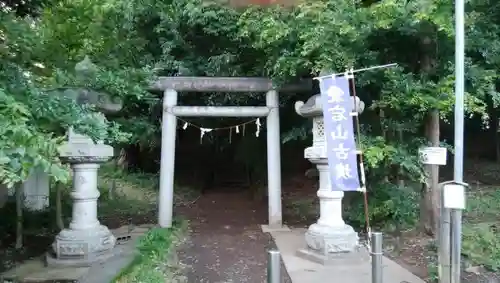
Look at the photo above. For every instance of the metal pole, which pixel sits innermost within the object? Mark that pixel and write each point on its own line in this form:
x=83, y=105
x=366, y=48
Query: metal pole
x=273, y=266
x=358, y=70
x=444, y=241
x=456, y=214
x=377, y=254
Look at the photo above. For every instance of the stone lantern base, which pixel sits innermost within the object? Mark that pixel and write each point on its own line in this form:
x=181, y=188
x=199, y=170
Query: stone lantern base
x=81, y=247
x=333, y=245
x=330, y=239
x=358, y=256
x=325, y=239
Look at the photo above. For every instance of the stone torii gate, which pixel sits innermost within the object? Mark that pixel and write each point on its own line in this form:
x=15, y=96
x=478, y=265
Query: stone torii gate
x=172, y=85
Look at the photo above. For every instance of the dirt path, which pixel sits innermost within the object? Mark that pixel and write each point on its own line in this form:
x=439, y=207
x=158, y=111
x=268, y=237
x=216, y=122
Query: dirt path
x=226, y=242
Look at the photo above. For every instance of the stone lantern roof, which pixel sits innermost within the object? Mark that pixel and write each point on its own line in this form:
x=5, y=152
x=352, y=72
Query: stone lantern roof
x=314, y=106
x=85, y=96
x=80, y=148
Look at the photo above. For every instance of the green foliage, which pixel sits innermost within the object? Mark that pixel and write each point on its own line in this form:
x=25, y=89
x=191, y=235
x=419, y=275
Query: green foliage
x=23, y=145
x=480, y=235
x=393, y=174
x=390, y=206
x=38, y=56
x=481, y=245
x=386, y=158
x=432, y=262
x=155, y=263
x=324, y=35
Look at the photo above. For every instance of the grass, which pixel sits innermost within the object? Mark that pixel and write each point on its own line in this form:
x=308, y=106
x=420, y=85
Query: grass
x=157, y=259
x=139, y=186
x=124, y=193
x=480, y=234
x=302, y=208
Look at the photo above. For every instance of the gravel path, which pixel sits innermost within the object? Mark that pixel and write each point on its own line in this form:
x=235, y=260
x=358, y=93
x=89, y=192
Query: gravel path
x=226, y=243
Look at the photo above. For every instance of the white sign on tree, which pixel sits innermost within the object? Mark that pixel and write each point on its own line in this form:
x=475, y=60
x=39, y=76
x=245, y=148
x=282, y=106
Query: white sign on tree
x=433, y=155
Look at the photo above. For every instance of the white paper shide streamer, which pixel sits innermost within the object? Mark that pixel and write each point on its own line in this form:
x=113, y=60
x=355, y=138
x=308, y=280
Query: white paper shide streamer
x=258, y=124
x=203, y=131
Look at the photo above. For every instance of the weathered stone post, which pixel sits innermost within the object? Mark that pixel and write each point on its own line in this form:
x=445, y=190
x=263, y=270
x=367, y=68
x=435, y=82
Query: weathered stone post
x=37, y=190
x=85, y=240
x=330, y=234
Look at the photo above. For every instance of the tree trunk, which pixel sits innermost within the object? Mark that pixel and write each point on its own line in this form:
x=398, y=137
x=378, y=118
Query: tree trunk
x=19, y=213
x=429, y=211
x=430, y=205
x=59, y=217
x=401, y=184
x=495, y=138
x=384, y=133
x=493, y=124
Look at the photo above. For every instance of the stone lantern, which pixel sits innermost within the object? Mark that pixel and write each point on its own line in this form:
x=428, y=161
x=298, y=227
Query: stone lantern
x=330, y=234
x=85, y=241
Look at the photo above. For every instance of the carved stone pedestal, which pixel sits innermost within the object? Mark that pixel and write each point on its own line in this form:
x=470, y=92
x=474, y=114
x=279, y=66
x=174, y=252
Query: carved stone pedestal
x=85, y=241
x=81, y=248
x=330, y=234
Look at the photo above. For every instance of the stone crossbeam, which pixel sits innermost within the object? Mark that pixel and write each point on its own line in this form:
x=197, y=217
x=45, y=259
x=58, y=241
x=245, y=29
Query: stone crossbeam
x=226, y=84
x=220, y=111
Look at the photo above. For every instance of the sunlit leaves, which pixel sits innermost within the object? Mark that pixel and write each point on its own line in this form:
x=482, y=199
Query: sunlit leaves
x=22, y=146
x=39, y=57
